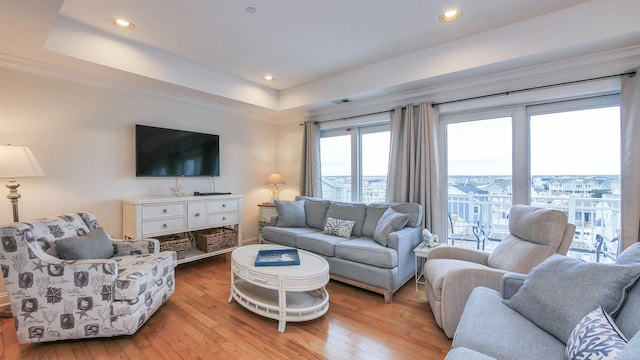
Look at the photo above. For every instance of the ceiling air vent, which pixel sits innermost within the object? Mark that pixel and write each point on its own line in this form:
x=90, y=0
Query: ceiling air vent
x=341, y=101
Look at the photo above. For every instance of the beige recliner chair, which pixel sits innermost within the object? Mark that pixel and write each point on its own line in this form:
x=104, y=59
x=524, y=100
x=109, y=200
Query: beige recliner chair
x=453, y=272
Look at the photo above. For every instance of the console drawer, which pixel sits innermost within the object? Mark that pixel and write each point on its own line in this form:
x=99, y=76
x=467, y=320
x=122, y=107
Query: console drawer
x=169, y=225
x=222, y=205
x=223, y=219
x=162, y=210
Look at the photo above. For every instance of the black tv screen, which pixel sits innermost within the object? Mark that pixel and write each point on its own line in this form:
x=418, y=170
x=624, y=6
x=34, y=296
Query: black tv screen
x=169, y=152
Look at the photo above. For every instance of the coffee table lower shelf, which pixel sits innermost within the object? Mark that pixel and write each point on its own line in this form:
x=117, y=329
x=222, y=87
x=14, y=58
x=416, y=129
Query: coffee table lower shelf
x=280, y=305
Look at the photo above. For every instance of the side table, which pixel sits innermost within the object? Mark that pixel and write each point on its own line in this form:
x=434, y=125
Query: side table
x=267, y=211
x=421, y=252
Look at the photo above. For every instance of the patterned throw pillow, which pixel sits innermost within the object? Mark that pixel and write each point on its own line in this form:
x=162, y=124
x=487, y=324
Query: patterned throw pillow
x=595, y=337
x=338, y=227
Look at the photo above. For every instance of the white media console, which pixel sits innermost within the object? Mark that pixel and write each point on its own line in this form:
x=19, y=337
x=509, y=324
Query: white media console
x=151, y=217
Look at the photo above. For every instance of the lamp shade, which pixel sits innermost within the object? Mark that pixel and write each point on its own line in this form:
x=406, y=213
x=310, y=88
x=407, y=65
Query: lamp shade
x=275, y=179
x=18, y=161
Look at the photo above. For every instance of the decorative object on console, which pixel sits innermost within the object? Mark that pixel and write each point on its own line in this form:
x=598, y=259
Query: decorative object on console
x=275, y=180
x=17, y=161
x=178, y=190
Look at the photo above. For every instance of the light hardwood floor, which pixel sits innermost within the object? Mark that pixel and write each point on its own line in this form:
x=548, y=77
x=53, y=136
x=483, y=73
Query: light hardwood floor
x=198, y=323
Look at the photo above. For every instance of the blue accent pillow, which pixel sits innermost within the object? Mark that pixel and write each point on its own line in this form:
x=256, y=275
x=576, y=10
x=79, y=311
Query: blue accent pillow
x=291, y=213
x=560, y=291
x=595, y=337
x=95, y=244
x=390, y=221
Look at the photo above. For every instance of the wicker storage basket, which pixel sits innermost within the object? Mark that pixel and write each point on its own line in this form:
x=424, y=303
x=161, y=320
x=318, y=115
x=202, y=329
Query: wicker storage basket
x=215, y=239
x=176, y=242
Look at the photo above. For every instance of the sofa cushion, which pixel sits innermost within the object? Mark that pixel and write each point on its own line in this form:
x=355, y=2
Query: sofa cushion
x=466, y=354
x=319, y=243
x=285, y=236
x=290, y=213
x=315, y=210
x=494, y=329
x=338, y=227
x=632, y=349
x=558, y=293
x=390, y=221
x=95, y=244
x=373, y=214
x=595, y=336
x=367, y=251
x=348, y=211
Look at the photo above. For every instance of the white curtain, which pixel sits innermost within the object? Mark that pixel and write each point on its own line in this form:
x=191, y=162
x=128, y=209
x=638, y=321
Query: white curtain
x=630, y=159
x=310, y=176
x=414, y=162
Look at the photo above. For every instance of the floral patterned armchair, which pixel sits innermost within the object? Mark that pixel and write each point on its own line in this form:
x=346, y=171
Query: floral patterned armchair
x=55, y=299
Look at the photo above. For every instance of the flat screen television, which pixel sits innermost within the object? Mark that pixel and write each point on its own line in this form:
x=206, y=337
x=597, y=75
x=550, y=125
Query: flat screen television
x=170, y=152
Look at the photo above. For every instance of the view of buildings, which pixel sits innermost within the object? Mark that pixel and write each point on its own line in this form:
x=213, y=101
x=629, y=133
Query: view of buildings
x=478, y=208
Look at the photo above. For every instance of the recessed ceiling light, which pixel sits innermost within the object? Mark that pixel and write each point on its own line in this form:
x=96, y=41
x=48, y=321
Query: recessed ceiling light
x=450, y=15
x=250, y=10
x=123, y=24
x=269, y=77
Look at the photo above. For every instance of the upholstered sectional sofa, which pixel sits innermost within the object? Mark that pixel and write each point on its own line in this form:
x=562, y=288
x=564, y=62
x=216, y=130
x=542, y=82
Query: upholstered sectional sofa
x=555, y=308
x=375, y=254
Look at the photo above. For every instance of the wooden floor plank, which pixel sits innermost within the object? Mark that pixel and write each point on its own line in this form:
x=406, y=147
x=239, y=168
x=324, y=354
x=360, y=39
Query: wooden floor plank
x=197, y=322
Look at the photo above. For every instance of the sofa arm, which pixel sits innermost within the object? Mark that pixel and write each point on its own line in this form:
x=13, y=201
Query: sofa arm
x=511, y=283
x=136, y=246
x=459, y=253
x=406, y=238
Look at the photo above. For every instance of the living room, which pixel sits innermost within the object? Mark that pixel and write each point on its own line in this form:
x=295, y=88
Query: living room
x=77, y=114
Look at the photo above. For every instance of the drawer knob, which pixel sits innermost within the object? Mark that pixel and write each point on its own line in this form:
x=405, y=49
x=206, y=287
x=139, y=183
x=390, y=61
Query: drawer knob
x=224, y=218
x=197, y=214
x=224, y=205
x=164, y=211
x=164, y=226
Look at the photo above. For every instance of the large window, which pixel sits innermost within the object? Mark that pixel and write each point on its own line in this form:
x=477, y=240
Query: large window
x=563, y=155
x=354, y=163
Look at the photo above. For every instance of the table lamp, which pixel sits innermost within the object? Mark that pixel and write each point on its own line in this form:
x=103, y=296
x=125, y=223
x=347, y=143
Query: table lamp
x=15, y=162
x=275, y=180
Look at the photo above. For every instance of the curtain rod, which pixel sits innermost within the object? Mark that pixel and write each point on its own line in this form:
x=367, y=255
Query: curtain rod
x=351, y=117
x=630, y=74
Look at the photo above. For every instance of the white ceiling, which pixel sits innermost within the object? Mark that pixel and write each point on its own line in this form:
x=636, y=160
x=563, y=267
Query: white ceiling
x=318, y=50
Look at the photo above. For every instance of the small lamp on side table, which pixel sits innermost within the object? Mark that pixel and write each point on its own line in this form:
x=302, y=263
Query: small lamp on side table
x=15, y=162
x=275, y=180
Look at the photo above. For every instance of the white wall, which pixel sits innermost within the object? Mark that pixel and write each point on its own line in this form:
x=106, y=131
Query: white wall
x=83, y=137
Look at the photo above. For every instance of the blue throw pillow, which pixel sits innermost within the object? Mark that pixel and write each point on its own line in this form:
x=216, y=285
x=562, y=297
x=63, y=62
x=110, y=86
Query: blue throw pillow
x=95, y=244
x=560, y=291
x=291, y=213
x=390, y=220
x=595, y=337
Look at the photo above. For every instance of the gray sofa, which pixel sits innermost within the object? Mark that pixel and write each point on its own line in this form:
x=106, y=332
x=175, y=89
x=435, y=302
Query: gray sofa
x=535, y=315
x=376, y=255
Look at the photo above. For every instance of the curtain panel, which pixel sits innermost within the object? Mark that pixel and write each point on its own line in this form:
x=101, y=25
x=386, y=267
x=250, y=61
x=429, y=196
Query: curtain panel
x=310, y=175
x=414, y=162
x=630, y=160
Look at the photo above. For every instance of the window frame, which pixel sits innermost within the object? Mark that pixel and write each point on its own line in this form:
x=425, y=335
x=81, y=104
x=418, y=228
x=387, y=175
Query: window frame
x=356, y=132
x=521, y=137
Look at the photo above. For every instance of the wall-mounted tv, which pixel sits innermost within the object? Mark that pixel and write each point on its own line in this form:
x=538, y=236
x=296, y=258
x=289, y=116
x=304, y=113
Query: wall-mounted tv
x=170, y=152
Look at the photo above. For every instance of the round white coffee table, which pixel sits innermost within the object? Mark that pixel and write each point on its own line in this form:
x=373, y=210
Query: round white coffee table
x=283, y=293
